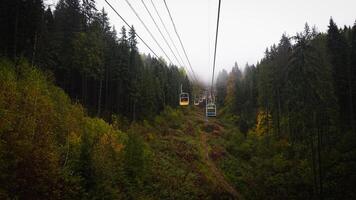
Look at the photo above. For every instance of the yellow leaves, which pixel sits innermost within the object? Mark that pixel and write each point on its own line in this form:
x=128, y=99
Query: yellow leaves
x=282, y=144
x=74, y=138
x=8, y=98
x=24, y=100
x=150, y=136
x=109, y=140
x=264, y=123
x=118, y=147
x=106, y=142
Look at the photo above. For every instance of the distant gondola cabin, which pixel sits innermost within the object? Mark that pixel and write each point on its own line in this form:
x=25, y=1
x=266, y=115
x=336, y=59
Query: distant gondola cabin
x=184, y=99
x=211, y=110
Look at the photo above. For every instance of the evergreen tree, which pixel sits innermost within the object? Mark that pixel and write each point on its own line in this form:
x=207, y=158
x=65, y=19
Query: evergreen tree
x=352, y=75
x=342, y=73
x=221, y=83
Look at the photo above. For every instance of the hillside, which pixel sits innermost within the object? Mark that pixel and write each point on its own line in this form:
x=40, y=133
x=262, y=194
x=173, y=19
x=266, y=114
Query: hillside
x=50, y=148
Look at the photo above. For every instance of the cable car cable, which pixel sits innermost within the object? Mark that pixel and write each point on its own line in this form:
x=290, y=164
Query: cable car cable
x=154, y=53
x=169, y=35
x=164, y=38
x=180, y=41
x=216, y=44
x=147, y=29
x=159, y=30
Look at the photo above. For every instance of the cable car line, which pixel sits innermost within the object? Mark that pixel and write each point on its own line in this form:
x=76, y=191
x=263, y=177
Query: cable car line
x=164, y=38
x=148, y=30
x=181, y=43
x=210, y=108
x=154, y=53
x=216, y=44
x=169, y=35
x=159, y=30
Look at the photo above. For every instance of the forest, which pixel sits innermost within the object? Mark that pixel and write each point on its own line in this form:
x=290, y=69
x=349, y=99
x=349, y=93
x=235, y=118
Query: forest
x=89, y=60
x=295, y=111
x=85, y=115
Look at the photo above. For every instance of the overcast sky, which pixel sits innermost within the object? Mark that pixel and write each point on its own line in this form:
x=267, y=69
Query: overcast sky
x=247, y=27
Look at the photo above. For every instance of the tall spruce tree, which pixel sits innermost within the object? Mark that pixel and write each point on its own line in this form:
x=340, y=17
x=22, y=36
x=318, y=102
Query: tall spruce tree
x=339, y=57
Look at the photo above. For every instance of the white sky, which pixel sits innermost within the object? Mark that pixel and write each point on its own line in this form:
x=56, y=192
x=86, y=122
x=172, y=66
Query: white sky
x=247, y=27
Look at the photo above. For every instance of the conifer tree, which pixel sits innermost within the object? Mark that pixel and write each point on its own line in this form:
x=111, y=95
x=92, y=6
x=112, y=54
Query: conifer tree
x=339, y=57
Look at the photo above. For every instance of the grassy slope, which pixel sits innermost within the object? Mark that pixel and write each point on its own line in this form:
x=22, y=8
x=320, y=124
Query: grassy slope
x=184, y=155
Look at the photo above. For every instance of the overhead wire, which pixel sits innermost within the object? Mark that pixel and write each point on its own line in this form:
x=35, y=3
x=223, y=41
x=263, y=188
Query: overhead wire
x=159, y=30
x=169, y=35
x=143, y=41
x=216, y=44
x=148, y=30
x=164, y=38
x=209, y=35
x=180, y=41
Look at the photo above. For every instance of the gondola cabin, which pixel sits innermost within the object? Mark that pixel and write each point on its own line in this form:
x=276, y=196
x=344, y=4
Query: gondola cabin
x=210, y=110
x=184, y=99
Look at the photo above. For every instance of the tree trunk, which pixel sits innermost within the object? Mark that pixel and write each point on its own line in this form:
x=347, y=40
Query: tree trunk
x=15, y=30
x=288, y=124
x=267, y=118
x=279, y=113
x=351, y=106
x=99, y=98
x=34, y=50
x=134, y=111
x=320, y=163
x=84, y=88
x=315, y=182
x=106, y=89
x=118, y=106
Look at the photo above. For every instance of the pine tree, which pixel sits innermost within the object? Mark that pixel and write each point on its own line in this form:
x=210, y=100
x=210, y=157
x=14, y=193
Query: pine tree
x=134, y=73
x=338, y=49
x=352, y=75
x=22, y=22
x=221, y=84
x=68, y=23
